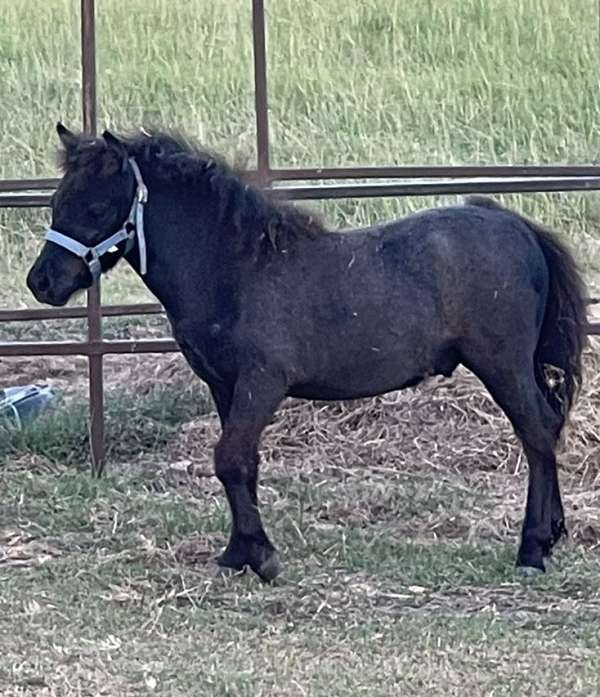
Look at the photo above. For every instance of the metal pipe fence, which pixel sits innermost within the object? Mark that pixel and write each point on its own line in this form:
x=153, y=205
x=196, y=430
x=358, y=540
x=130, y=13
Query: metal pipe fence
x=286, y=183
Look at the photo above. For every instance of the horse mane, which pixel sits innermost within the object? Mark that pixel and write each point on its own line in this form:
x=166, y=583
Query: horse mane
x=252, y=214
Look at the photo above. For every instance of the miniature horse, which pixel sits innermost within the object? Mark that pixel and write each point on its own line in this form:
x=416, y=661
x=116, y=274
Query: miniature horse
x=265, y=302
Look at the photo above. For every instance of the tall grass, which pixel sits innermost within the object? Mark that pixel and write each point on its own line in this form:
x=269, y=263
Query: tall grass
x=388, y=81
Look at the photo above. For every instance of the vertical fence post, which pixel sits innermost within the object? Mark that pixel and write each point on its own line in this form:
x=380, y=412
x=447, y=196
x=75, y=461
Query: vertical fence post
x=260, y=92
x=94, y=316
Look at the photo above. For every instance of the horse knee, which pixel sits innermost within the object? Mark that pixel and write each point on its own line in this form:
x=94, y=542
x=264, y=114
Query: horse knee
x=235, y=463
x=229, y=466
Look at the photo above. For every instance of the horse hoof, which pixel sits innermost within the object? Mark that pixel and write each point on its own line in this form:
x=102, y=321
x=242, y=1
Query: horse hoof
x=221, y=569
x=225, y=572
x=270, y=569
x=529, y=571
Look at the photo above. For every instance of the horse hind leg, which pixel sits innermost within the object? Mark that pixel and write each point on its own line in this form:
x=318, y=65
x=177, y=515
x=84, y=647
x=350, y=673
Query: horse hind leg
x=512, y=384
x=554, y=423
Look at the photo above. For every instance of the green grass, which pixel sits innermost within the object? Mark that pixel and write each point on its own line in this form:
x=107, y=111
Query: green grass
x=108, y=588
x=134, y=425
x=452, y=81
x=396, y=581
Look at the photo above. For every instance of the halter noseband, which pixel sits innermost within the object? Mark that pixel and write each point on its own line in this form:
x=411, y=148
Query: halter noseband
x=132, y=227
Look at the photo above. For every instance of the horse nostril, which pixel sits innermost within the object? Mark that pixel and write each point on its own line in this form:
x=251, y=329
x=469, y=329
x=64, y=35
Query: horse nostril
x=38, y=281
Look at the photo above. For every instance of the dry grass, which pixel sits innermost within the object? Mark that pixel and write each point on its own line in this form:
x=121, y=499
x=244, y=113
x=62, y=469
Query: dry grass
x=446, y=428
x=449, y=429
x=397, y=518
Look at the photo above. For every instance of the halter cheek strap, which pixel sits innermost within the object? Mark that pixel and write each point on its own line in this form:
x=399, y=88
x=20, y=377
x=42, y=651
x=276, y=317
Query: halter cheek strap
x=133, y=228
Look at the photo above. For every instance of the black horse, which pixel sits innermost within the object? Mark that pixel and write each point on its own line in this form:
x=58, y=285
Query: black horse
x=265, y=302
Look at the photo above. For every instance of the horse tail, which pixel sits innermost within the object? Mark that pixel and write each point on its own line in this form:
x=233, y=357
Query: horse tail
x=557, y=358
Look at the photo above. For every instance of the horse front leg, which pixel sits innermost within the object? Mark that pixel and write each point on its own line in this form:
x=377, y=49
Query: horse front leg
x=236, y=466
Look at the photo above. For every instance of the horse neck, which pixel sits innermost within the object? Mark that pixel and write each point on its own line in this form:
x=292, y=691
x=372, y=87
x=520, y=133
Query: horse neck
x=183, y=247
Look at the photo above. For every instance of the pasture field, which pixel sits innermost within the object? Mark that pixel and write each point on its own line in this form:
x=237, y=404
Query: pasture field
x=378, y=82
x=397, y=517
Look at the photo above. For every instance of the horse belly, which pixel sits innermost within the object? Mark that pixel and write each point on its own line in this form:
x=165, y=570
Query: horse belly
x=370, y=379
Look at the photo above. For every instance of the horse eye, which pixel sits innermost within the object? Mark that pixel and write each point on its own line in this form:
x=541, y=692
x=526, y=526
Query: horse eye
x=96, y=210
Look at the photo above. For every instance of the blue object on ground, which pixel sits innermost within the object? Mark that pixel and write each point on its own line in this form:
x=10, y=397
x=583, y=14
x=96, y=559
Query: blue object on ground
x=22, y=404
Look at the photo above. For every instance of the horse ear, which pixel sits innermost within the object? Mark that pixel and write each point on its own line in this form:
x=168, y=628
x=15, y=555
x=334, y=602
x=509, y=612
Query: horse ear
x=118, y=147
x=115, y=142
x=67, y=137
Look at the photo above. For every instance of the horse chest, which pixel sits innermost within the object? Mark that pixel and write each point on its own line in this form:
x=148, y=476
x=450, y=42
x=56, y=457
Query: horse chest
x=207, y=350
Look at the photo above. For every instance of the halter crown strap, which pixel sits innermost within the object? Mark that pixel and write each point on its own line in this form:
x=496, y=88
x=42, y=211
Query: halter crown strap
x=140, y=199
x=133, y=227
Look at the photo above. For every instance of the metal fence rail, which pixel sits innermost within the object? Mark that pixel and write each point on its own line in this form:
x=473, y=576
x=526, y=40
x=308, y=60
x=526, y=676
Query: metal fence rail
x=407, y=181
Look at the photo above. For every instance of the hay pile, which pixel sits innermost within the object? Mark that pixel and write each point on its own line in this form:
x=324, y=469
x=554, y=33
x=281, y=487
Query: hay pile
x=443, y=423
x=443, y=430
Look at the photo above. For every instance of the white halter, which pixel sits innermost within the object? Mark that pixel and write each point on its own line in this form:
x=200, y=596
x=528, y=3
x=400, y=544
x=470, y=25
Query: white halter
x=132, y=227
